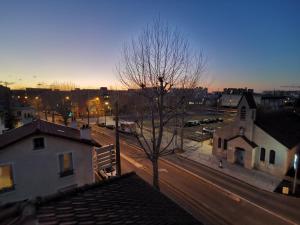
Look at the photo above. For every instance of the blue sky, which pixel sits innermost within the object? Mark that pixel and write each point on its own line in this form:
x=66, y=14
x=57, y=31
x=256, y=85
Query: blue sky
x=246, y=43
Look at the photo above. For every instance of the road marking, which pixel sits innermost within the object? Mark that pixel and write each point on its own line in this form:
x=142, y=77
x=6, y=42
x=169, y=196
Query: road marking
x=163, y=170
x=132, y=161
x=229, y=193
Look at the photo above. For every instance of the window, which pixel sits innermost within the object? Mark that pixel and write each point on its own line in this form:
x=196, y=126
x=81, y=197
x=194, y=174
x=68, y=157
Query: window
x=219, y=143
x=243, y=113
x=225, y=144
x=65, y=164
x=6, y=178
x=262, y=154
x=253, y=114
x=272, y=157
x=38, y=143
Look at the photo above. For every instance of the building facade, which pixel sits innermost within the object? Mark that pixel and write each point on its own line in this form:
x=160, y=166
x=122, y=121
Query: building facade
x=42, y=158
x=257, y=142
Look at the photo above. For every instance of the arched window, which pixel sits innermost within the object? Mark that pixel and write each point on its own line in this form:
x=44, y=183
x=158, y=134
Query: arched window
x=243, y=113
x=272, y=157
x=225, y=144
x=219, y=143
x=262, y=154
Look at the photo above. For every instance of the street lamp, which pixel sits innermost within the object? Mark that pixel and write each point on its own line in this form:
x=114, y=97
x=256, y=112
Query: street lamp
x=106, y=103
x=296, y=165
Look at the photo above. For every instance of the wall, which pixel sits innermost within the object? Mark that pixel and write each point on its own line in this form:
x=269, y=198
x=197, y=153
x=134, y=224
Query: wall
x=264, y=140
x=36, y=172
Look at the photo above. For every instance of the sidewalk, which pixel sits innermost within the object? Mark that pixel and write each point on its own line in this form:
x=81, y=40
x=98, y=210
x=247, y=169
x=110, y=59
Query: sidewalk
x=254, y=177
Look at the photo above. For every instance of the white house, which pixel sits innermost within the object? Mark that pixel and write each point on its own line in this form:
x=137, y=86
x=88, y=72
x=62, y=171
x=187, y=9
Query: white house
x=257, y=140
x=23, y=115
x=41, y=158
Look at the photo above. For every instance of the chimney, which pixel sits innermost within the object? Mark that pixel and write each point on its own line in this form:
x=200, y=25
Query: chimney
x=85, y=132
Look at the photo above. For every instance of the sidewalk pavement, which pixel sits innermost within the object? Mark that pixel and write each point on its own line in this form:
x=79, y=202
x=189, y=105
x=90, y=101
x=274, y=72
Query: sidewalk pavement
x=253, y=177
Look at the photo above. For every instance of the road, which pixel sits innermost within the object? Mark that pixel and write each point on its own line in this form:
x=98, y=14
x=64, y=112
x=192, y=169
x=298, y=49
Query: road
x=210, y=196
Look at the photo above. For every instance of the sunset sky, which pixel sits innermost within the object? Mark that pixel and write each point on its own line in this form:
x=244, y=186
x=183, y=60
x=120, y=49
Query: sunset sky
x=253, y=44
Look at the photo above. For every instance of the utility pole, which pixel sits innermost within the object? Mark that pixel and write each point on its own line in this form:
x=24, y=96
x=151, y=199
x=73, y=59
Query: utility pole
x=118, y=157
x=88, y=111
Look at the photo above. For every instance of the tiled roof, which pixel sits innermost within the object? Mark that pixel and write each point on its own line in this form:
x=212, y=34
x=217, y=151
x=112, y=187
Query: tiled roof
x=282, y=126
x=42, y=127
x=251, y=143
x=124, y=200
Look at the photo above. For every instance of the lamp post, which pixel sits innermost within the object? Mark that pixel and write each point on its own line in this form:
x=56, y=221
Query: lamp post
x=296, y=165
x=106, y=104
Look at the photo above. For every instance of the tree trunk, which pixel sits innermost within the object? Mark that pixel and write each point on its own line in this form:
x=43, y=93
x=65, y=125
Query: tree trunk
x=155, y=174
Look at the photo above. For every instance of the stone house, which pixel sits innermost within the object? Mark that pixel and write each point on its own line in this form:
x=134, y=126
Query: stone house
x=258, y=140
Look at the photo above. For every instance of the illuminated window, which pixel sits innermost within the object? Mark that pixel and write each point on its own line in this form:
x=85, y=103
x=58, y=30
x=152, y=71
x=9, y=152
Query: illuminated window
x=38, y=143
x=6, y=178
x=243, y=113
x=65, y=164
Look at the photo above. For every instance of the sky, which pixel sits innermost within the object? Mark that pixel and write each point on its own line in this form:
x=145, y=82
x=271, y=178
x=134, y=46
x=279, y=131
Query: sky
x=254, y=44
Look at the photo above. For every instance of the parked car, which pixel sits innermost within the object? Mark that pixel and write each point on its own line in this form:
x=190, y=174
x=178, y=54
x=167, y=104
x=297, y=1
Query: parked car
x=110, y=127
x=192, y=123
x=205, y=121
x=220, y=119
x=208, y=130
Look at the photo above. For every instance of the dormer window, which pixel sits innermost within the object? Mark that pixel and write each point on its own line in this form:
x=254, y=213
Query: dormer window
x=38, y=143
x=243, y=113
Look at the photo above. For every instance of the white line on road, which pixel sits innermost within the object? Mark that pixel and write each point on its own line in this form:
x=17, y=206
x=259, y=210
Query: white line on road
x=230, y=194
x=132, y=161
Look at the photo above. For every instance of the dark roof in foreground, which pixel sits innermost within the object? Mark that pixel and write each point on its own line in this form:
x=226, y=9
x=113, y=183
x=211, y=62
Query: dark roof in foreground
x=281, y=125
x=42, y=127
x=124, y=200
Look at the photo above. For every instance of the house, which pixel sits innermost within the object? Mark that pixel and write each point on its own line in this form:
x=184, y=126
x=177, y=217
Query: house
x=41, y=158
x=121, y=200
x=23, y=115
x=259, y=140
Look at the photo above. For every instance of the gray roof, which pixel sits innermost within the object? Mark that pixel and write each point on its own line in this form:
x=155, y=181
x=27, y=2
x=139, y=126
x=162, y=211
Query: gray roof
x=124, y=200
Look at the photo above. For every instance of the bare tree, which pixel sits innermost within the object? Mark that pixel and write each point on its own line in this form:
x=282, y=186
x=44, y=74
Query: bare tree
x=156, y=62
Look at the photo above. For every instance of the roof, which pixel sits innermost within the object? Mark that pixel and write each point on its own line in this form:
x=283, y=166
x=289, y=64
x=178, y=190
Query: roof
x=281, y=125
x=252, y=144
x=124, y=200
x=250, y=100
x=42, y=127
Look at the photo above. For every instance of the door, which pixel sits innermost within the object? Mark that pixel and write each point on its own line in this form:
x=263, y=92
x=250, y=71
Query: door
x=239, y=156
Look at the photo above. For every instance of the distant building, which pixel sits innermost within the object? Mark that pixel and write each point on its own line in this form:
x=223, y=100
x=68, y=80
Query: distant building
x=24, y=115
x=257, y=140
x=41, y=158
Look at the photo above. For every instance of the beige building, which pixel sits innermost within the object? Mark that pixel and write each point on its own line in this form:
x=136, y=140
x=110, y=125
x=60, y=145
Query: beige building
x=257, y=140
x=41, y=158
